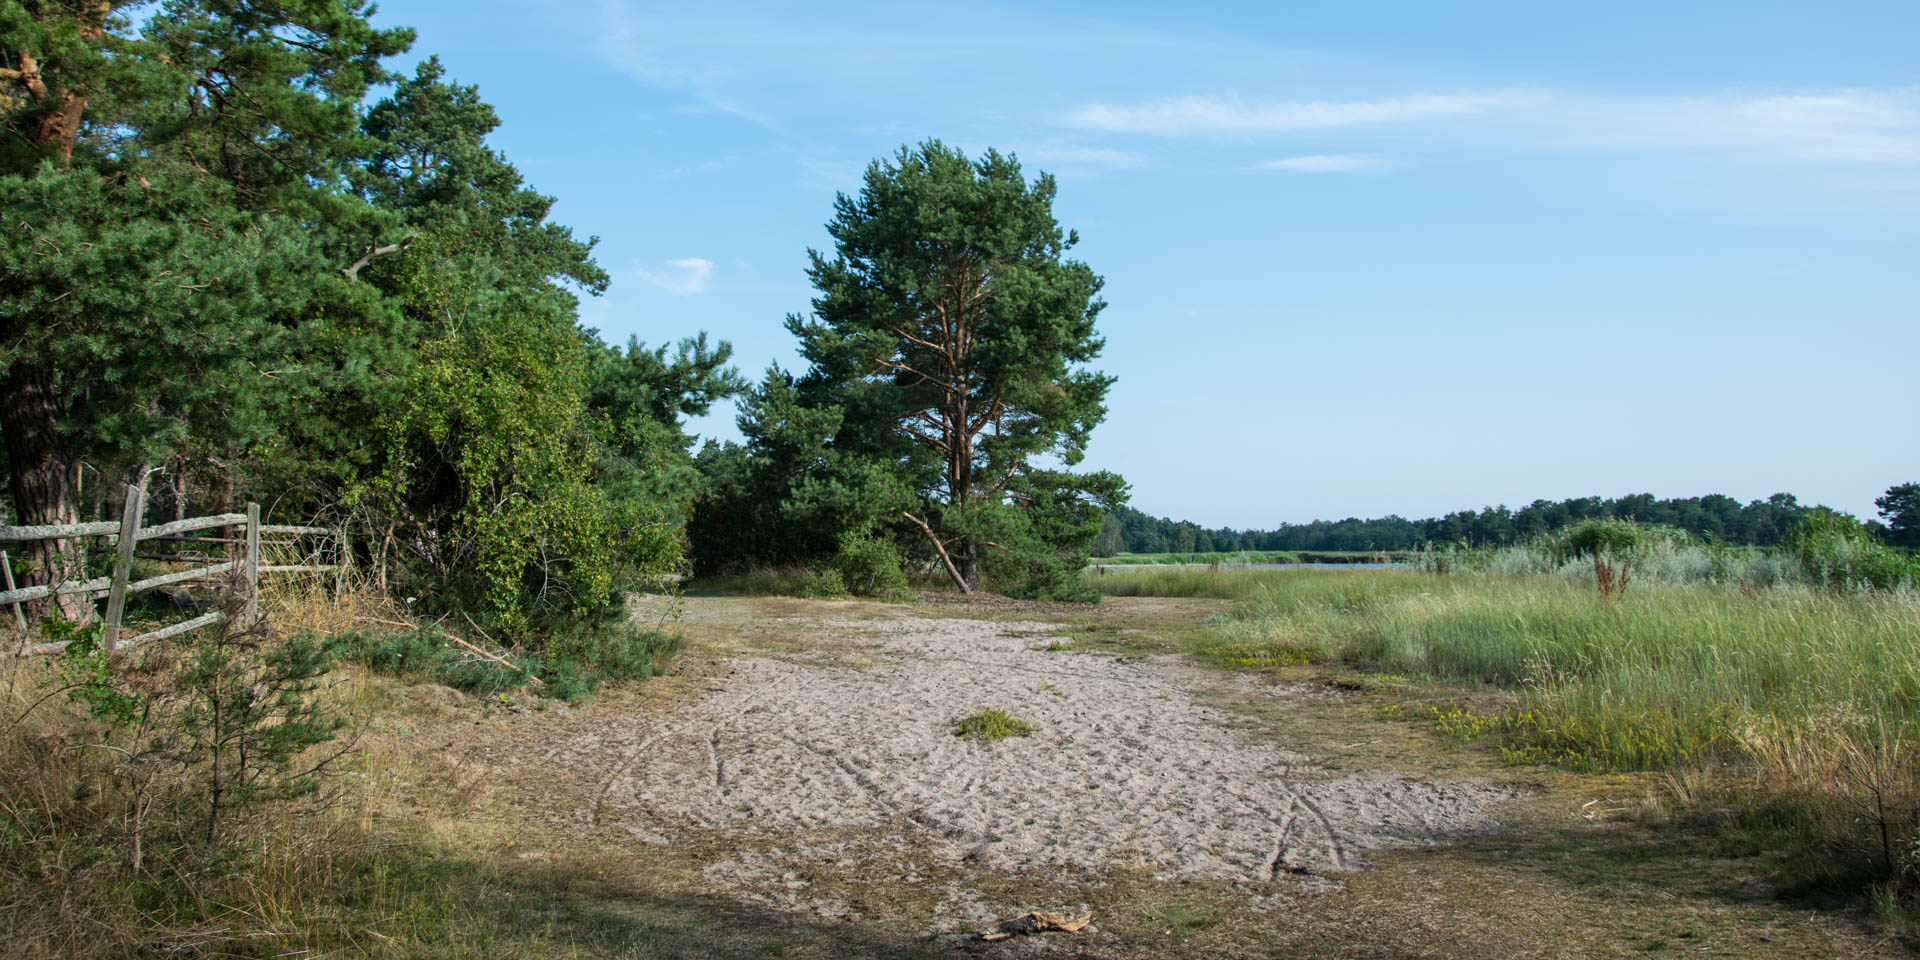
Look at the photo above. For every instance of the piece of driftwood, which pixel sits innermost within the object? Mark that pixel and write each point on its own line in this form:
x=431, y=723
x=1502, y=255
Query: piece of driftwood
x=1036, y=922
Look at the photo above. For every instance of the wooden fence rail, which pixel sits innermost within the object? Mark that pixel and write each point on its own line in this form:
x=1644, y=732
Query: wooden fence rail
x=119, y=585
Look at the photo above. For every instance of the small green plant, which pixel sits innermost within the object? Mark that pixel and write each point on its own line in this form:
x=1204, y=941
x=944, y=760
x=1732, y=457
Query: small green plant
x=991, y=724
x=216, y=732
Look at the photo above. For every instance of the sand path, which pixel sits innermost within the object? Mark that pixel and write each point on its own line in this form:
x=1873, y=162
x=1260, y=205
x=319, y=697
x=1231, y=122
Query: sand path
x=1125, y=766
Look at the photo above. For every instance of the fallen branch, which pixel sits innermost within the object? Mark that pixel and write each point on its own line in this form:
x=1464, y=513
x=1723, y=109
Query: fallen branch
x=503, y=661
x=952, y=570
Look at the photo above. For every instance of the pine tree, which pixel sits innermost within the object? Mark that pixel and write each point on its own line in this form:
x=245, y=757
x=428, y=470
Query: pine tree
x=952, y=330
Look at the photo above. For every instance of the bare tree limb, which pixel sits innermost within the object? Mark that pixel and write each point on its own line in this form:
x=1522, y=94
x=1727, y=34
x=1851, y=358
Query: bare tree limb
x=952, y=570
x=353, y=273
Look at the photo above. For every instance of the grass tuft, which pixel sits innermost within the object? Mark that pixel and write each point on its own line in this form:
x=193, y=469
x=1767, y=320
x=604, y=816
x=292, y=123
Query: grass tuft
x=991, y=724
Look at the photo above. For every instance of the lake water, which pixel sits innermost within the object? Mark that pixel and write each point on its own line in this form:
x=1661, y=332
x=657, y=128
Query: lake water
x=1119, y=567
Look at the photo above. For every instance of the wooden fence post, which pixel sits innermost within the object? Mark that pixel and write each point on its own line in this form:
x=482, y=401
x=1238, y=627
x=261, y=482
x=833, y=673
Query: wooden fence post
x=122, y=567
x=252, y=566
x=6, y=564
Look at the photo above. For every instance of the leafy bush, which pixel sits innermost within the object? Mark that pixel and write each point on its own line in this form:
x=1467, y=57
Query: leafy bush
x=1838, y=552
x=824, y=583
x=1601, y=536
x=871, y=567
x=621, y=651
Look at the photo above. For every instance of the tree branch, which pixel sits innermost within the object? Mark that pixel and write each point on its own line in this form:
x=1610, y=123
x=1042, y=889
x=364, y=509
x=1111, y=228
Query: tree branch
x=903, y=368
x=910, y=338
x=924, y=438
x=952, y=570
x=353, y=273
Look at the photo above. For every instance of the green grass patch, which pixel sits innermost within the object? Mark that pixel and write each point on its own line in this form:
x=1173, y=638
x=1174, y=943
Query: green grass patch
x=991, y=724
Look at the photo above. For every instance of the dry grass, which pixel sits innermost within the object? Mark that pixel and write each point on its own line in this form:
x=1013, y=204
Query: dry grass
x=435, y=845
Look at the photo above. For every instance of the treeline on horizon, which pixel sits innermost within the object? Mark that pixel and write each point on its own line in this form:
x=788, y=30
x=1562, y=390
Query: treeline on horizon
x=1714, y=517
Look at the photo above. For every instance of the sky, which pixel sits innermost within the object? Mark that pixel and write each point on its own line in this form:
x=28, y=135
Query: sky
x=1360, y=258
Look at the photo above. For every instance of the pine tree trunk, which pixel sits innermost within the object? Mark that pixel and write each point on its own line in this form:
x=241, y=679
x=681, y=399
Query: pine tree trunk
x=44, y=491
x=968, y=563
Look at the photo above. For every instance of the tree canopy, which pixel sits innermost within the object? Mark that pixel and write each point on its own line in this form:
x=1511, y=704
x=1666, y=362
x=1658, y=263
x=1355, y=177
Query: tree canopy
x=1900, y=508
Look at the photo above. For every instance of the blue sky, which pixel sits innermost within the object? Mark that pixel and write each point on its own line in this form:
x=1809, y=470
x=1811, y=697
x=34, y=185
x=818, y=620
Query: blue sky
x=1361, y=258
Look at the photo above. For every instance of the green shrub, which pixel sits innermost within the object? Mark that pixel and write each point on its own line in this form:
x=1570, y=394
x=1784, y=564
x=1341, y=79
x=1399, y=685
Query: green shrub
x=824, y=583
x=209, y=733
x=1838, y=552
x=425, y=655
x=871, y=567
x=1603, y=536
x=623, y=651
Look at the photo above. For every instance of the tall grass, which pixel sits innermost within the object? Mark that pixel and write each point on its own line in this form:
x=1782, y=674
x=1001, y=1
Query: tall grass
x=1811, y=693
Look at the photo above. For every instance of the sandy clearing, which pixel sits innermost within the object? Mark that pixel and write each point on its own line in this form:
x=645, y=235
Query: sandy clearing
x=1124, y=767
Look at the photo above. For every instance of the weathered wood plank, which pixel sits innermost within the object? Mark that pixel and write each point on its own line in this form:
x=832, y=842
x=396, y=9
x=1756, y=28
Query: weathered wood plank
x=301, y=568
x=19, y=618
x=251, y=571
x=123, y=565
x=184, y=626
x=166, y=579
x=96, y=585
x=191, y=524
x=60, y=531
x=308, y=531
x=111, y=529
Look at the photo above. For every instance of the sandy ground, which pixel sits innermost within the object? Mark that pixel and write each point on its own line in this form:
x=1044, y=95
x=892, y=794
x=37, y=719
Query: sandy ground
x=853, y=757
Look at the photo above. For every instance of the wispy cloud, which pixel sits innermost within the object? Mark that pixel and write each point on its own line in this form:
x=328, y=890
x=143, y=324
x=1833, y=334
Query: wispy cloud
x=1189, y=116
x=1877, y=127
x=1853, y=127
x=634, y=49
x=688, y=276
x=1325, y=163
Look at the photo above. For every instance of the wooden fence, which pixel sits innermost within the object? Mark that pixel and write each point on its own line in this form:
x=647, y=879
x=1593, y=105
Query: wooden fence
x=119, y=585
